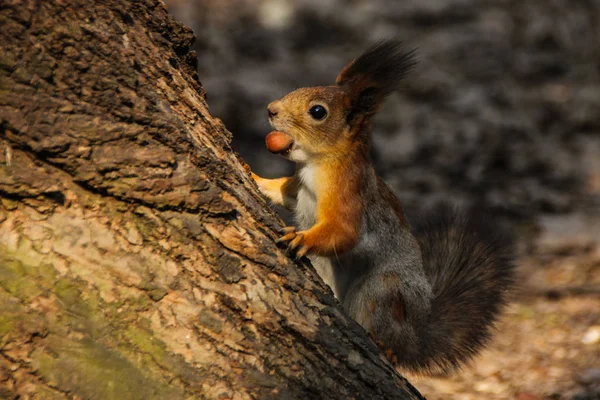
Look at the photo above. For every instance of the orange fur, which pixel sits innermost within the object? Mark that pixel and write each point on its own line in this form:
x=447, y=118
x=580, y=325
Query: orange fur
x=339, y=205
x=281, y=191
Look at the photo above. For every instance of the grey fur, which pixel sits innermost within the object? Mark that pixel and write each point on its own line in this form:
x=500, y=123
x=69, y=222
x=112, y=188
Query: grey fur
x=452, y=274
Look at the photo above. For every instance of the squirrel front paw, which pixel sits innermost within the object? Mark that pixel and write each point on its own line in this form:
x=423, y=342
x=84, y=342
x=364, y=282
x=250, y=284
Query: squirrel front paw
x=294, y=240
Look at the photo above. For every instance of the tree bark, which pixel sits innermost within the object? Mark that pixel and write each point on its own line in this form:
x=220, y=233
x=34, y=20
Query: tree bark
x=137, y=259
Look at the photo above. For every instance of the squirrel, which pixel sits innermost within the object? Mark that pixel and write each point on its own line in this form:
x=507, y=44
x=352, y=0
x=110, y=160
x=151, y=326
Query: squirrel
x=429, y=292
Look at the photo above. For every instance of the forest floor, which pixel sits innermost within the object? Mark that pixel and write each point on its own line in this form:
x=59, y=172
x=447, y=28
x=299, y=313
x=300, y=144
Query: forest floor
x=547, y=345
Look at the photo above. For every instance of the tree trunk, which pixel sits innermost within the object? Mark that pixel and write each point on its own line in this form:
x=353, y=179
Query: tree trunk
x=137, y=259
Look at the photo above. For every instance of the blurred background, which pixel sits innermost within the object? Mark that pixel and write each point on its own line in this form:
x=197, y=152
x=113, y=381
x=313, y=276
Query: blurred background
x=503, y=112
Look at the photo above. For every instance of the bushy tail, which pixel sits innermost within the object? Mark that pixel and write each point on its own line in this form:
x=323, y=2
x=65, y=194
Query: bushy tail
x=469, y=263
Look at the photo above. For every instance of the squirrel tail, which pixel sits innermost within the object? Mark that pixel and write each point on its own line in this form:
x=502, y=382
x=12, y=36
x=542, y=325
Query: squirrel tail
x=469, y=264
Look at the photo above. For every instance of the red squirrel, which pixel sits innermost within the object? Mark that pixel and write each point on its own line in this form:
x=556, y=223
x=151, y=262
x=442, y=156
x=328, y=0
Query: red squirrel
x=428, y=292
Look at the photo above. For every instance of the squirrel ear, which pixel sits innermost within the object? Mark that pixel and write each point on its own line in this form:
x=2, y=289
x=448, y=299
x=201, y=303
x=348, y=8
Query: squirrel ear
x=374, y=75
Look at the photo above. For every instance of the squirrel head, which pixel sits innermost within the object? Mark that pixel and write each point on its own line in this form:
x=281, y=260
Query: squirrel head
x=325, y=120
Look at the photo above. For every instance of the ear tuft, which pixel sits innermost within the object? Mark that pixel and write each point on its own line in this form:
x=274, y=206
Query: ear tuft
x=383, y=66
x=375, y=74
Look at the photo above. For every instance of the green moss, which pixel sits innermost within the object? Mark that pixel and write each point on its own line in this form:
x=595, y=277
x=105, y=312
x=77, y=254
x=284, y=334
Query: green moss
x=156, y=352
x=15, y=280
x=91, y=348
x=7, y=324
x=138, y=303
x=85, y=310
x=70, y=296
x=147, y=228
x=15, y=319
x=90, y=370
x=47, y=275
x=25, y=281
x=146, y=343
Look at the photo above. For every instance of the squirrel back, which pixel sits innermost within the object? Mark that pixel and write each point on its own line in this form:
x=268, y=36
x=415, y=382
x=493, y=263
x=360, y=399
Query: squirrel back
x=429, y=294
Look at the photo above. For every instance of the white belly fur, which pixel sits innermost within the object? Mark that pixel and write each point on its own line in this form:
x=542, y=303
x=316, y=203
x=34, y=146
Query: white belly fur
x=306, y=217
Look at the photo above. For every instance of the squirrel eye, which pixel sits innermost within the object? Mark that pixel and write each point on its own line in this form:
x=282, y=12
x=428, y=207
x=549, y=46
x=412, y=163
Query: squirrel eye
x=318, y=112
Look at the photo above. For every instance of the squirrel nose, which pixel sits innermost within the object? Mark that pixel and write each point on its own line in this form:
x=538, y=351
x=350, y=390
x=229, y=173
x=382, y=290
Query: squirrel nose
x=271, y=111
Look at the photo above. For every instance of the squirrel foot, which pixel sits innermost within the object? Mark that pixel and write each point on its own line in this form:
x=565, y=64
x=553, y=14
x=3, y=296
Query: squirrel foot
x=294, y=240
x=389, y=353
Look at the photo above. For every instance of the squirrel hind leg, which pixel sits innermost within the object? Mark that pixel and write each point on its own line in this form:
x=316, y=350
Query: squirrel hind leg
x=393, y=311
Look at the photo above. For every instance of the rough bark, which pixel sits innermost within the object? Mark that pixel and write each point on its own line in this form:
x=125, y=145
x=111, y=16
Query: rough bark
x=137, y=259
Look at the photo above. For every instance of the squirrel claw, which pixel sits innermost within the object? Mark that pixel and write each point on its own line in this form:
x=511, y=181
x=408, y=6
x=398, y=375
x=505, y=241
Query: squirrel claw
x=286, y=238
x=294, y=242
x=297, y=241
x=301, y=252
x=288, y=229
